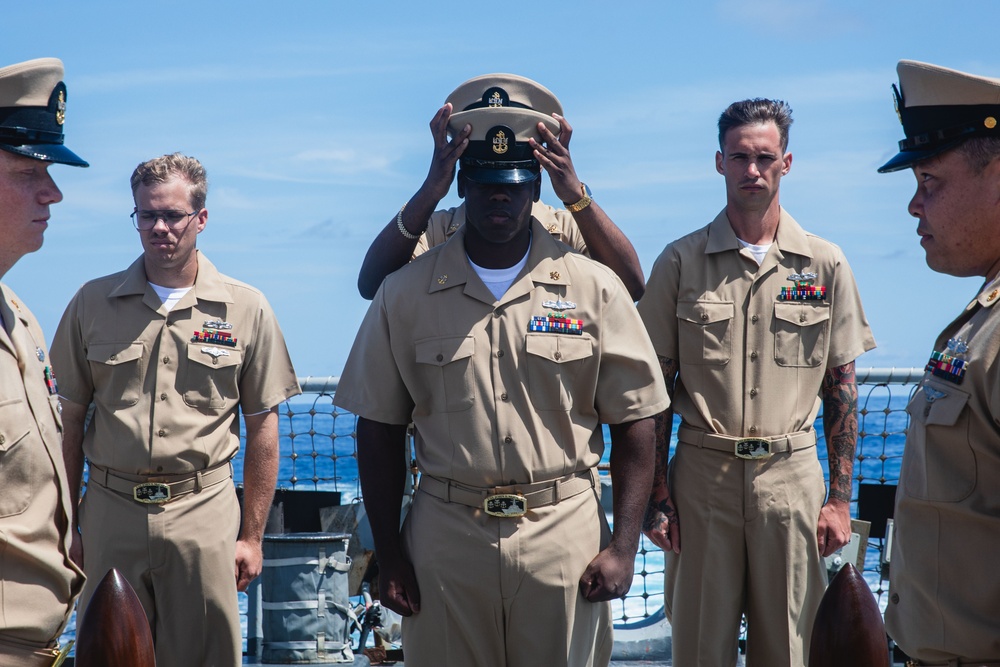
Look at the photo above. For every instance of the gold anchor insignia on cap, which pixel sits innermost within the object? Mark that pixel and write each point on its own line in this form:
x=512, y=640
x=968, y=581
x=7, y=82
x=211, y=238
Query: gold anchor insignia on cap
x=554, y=275
x=495, y=99
x=990, y=122
x=500, y=142
x=61, y=108
x=442, y=279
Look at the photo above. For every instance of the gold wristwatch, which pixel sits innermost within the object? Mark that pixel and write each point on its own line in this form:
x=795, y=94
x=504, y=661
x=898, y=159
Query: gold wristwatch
x=584, y=202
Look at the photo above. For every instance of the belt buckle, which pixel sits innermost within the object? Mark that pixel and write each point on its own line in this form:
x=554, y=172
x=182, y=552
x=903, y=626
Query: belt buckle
x=508, y=505
x=151, y=493
x=752, y=449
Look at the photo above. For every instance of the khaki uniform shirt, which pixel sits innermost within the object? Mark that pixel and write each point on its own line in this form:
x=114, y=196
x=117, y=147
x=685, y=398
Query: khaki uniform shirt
x=167, y=404
x=38, y=582
x=751, y=365
x=494, y=403
x=558, y=222
x=944, y=588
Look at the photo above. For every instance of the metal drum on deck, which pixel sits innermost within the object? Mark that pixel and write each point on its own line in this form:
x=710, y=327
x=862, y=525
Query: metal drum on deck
x=307, y=616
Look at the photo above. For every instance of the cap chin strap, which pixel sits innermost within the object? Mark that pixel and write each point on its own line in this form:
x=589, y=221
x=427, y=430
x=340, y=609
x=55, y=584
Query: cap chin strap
x=17, y=136
x=928, y=140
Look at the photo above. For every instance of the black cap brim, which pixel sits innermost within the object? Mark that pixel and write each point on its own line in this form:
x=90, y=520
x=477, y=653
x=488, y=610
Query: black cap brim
x=488, y=176
x=906, y=159
x=47, y=152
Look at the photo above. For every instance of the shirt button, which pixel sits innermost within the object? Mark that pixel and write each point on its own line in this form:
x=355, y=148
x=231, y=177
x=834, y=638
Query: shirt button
x=163, y=397
x=802, y=317
x=754, y=318
x=558, y=355
x=161, y=433
x=753, y=392
x=2, y=439
x=704, y=316
x=159, y=468
x=508, y=440
x=440, y=357
x=166, y=360
x=113, y=357
x=753, y=355
x=499, y=353
x=894, y=598
x=753, y=429
x=503, y=396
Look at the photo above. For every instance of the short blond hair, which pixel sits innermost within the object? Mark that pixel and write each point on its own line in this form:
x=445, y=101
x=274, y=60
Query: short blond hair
x=162, y=169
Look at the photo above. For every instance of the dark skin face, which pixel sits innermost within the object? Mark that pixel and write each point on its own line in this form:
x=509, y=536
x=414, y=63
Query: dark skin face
x=498, y=217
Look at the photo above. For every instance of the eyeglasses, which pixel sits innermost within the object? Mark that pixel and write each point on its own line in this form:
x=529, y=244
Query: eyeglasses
x=144, y=220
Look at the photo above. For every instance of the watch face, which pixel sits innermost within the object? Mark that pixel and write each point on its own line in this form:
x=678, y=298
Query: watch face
x=586, y=190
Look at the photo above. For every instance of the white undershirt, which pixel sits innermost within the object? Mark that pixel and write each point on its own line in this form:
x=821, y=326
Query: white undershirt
x=758, y=251
x=498, y=280
x=169, y=295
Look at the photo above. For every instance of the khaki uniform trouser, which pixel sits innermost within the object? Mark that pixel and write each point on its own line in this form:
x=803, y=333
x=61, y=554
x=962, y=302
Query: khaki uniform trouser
x=14, y=654
x=180, y=559
x=748, y=545
x=498, y=591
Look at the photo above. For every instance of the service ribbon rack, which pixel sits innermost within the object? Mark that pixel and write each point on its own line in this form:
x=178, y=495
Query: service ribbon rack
x=804, y=289
x=553, y=323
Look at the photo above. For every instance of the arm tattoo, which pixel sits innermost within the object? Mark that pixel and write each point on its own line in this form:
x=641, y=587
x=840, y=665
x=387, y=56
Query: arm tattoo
x=840, y=422
x=664, y=425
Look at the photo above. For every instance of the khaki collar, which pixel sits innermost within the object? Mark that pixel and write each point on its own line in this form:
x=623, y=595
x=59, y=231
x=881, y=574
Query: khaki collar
x=989, y=295
x=545, y=266
x=789, y=238
x=208, y=285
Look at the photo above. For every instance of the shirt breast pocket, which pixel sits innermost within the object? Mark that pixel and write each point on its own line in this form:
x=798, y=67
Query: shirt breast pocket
x=939, y=433
x=556, y=368
x=17, y=461
x=211, y=377
x=705, y=332
x=448, y=369
x=800, y=333
x=118, y=369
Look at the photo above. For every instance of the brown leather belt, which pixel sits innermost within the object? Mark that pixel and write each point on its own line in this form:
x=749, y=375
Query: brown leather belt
x=159, y=489
x=747, y=448
x=513, y=500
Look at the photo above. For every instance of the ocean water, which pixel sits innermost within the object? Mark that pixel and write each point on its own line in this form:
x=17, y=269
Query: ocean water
x=317, y=449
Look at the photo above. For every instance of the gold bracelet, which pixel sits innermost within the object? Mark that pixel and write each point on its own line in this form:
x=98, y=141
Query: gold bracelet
x=402, y=228
x=583, y=202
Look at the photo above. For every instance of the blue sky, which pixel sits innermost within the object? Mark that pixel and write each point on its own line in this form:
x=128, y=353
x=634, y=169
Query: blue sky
x=311, y=118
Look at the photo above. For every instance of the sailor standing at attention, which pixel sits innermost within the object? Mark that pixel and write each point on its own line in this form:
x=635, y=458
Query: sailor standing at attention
x=38, y=580
x=160, y=503
x=581, y=224
x=507, y=350
x=757, y=323
x=944, y=591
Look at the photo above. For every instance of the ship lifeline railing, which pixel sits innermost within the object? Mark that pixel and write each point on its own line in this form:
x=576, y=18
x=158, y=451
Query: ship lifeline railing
x=318, y=450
